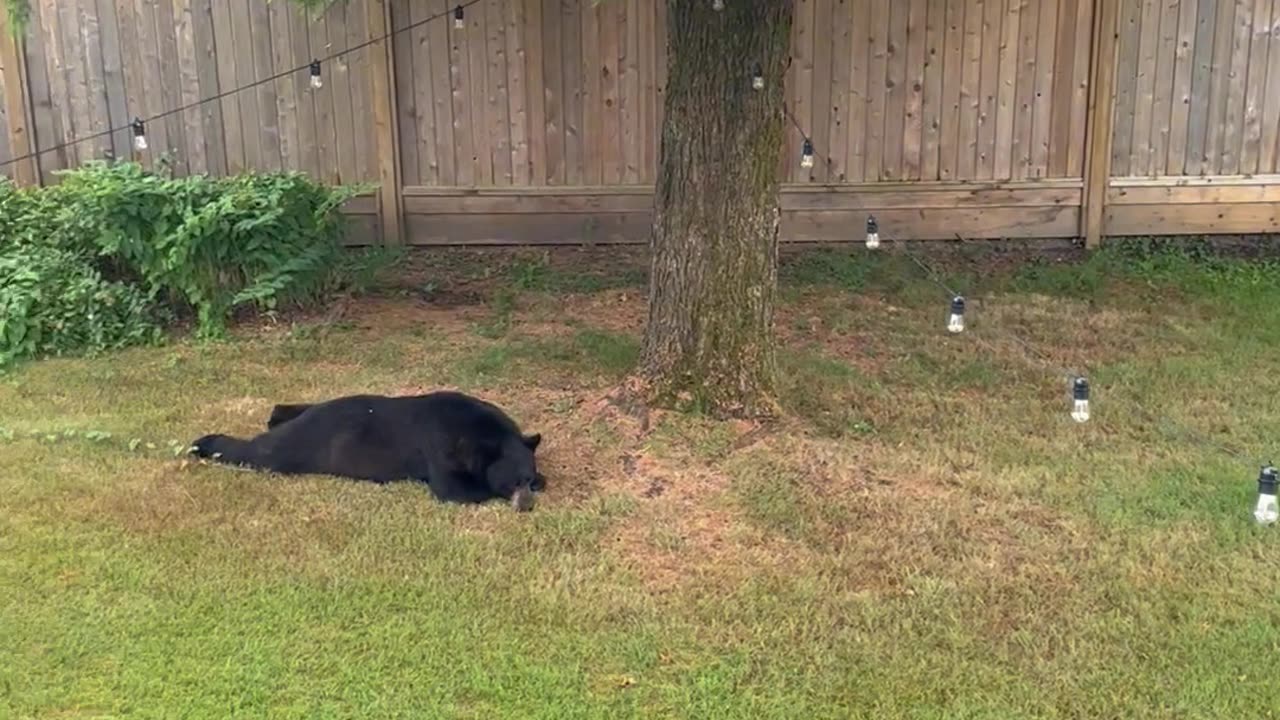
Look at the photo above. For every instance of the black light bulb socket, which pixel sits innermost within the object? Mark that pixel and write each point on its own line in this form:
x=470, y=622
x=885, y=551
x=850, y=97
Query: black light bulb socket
x=758, y=71
x=458, y=14
x=139, y=128
x=872, y=225
x=808, y=147
x=957, y=305
x=315, y=68
x=1267, y=481
x=1080, y=389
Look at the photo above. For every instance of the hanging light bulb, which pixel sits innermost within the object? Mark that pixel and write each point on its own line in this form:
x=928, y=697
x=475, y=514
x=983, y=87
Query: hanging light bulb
x=955, y=322
x=1267, y=510
x=1080, y=400
x=757, y=78
x=317, y=82
x=139, y=135
x=806, y=154
x=873, y=233
x=717, y=5
x=459, y=18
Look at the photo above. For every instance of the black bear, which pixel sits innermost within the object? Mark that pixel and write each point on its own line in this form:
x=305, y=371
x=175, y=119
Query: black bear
x=465, y=449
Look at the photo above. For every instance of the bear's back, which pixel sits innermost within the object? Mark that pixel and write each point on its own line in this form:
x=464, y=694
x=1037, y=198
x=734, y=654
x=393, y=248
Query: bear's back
x=457, y=413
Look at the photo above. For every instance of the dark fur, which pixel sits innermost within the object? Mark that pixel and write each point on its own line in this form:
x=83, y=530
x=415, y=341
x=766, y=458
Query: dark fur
x=465, y=449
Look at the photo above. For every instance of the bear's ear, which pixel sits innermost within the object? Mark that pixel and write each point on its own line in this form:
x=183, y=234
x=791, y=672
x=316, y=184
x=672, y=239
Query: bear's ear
x=532, y=441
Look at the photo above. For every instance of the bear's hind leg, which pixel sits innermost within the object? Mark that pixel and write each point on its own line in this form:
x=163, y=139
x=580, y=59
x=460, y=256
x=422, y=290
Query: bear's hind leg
x=282, y=414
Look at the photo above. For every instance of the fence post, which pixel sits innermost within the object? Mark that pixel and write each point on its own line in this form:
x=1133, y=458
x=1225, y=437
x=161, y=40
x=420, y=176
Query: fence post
x=17, y=103
x=385, y=123
x=1100, y=122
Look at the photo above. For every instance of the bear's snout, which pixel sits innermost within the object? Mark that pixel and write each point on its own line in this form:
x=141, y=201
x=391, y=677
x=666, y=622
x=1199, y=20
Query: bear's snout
x=522, y=500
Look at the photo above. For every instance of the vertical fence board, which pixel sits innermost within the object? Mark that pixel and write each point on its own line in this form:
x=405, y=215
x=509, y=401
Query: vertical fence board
x=953, y=63
x=517, y=93
x=1042, y=104
x=1006, y=102
x=225, y=58
x=917, y=47
x=988, y=89
x=1162, y=107
x=553, y=82
x=609, y=141
x=206, y=64
x=837, y=151
x=46, y=121
x=1223, y=48
x=629, y=85
x=1198, y=96
x=113, y=76
x=1060, y=100
x=444, y=122
x=308, y=130
x=418, y=67
x=858, y=98
x=327, y=145
x=1028, y=27
x=497, y=107
x=251, y=120
x=414, y=67
x=19, y=132
x=1144, y=95
x=593, y=96
x=970, y=90
x=571, y=88
x=194, y=131
x=171, y=88
x=1267, y=162
x=1233, y=132
x=1180, y=96
x=800, y=90
x=534, y=59
x=286, y=88
x=92, y=76
x=820, y=113
x=1126, y=84
x=1255, y=86
x=647, y=32
x=384, y=116
x=1080, y=85
x=895, y=89
x=365, y=74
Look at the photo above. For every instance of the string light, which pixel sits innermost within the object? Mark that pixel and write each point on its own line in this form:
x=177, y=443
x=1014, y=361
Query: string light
x=717, y=5
x=459, y=18
x=1267, y=511
x=873, y=233
x=955, y=322
x=806, y=154
x=757, y=78
x=139, y=135
x=317, y=82
x=1080, y=400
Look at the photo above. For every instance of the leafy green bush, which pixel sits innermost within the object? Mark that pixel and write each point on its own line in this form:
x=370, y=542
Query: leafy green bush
x=53, y=301
x=147, y=243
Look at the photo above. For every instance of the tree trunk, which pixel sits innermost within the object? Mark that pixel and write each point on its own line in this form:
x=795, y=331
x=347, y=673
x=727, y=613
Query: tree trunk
x=714, y=278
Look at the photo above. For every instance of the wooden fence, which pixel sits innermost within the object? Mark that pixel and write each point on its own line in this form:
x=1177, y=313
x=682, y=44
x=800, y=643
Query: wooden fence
x=539, y=120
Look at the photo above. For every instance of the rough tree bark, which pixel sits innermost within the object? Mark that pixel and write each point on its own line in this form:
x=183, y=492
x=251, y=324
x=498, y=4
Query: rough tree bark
x=714, y=247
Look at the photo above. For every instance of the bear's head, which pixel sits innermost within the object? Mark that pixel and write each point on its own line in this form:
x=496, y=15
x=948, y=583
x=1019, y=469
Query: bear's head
x=514, y=474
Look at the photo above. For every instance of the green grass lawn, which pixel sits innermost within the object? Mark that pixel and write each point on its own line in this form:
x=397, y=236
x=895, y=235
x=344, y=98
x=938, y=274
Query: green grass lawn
x=926, y=535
